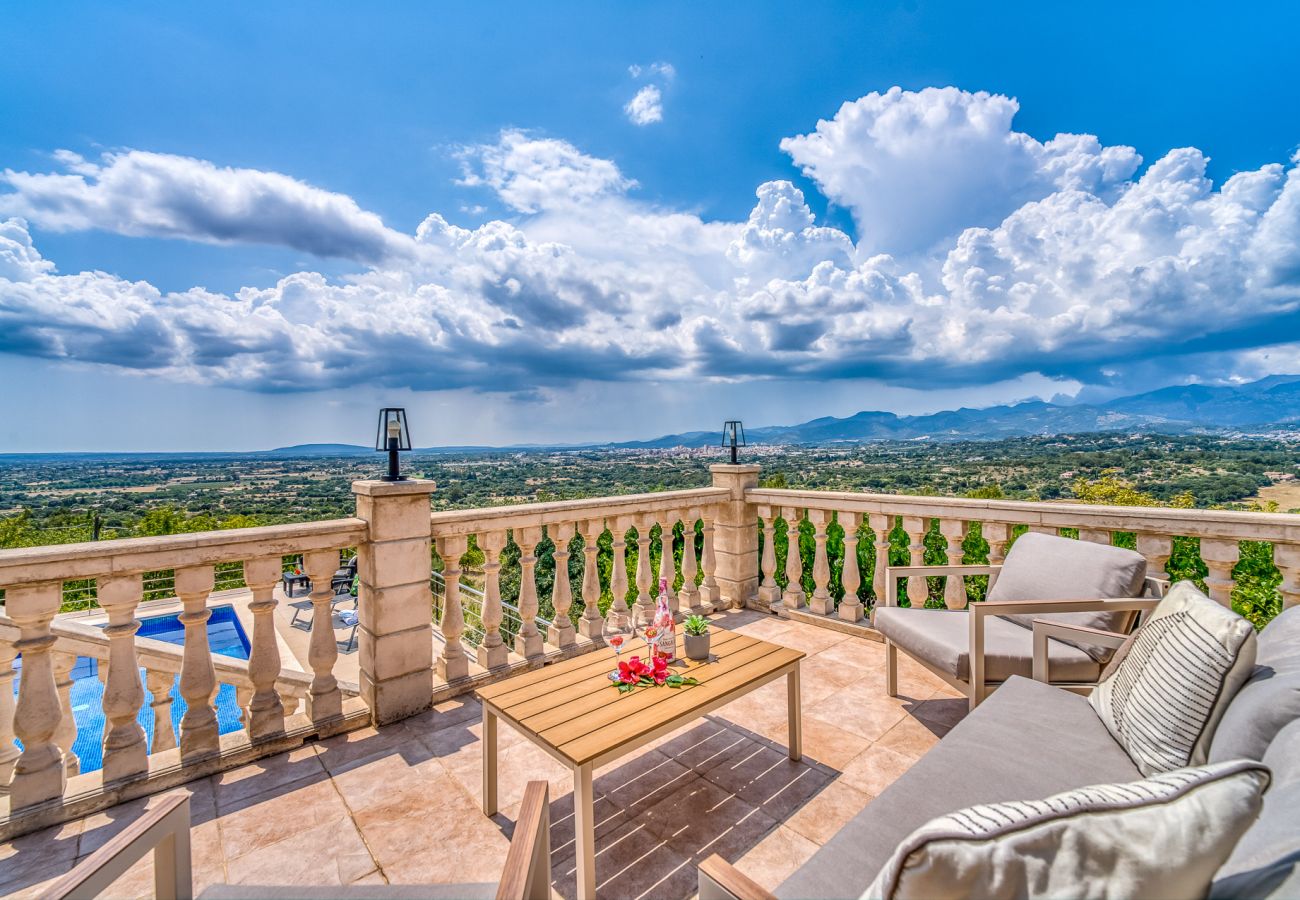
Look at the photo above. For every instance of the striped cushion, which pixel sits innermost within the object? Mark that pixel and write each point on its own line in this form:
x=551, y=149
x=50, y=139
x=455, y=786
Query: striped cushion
x=1164, y=699
x=1164, y=837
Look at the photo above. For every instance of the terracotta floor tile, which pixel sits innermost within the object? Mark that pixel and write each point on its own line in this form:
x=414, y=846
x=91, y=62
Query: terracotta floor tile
x=768, y=628
x=517, y=765
x=822, y=816
x=273, y=773
x=819, y=669
x=876, y=769
x=831, y=746
x=207, y=867
x=809, y=638
x=774, y=858
x=608, y=818
x=912, y=737
x=269, y=818
x=384, y=777
x=351, y=750
x=48, y=844
x=868, y=656
x=27, y=874
x=865, y=714
x=331, y=853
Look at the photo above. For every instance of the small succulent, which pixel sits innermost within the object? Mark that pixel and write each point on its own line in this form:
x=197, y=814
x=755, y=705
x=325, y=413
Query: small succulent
x=696, y=625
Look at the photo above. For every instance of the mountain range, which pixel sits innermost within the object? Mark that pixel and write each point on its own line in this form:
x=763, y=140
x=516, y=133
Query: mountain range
x=1257, y=406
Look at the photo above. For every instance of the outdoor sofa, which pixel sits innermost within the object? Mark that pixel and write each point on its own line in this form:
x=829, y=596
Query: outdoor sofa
x=1031, y=740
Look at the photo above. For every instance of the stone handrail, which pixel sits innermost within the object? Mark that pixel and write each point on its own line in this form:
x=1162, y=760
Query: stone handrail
x=1218, y=531
x=530, y=523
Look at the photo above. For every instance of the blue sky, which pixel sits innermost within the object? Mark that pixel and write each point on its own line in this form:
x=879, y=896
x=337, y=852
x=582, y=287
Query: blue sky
x=328, y=134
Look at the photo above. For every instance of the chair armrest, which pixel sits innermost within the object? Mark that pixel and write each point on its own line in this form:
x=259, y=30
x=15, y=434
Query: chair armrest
x=527, y=873
x=1044, y=630
x=1155, y=587
x=164, y=829
x=720, y=880
x=893, y=573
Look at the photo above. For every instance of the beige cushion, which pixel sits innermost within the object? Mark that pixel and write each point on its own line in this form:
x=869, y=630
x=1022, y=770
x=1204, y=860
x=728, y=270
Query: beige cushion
x=1047, y=567
x=1165, y=698
x=941, y=637
x=1161, y=837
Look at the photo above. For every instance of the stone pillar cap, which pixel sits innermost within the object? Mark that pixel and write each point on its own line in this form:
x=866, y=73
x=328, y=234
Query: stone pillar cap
x=738, y=469
x=376, y=487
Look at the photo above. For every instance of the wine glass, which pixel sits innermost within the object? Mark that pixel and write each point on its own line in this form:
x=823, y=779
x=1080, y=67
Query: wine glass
x=618, y=628
x=643, y=620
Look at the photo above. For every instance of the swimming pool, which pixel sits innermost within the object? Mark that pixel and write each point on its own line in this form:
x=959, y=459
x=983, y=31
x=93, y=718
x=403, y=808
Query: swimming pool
x=225, y=636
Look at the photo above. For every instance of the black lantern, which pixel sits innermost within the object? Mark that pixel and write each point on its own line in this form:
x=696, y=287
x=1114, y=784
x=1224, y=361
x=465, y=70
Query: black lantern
x=392, y=436
x=733, y=436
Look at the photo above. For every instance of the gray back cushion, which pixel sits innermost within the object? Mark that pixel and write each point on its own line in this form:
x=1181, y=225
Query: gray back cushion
x=1266, y=861
x=1269, y=700
x=1047, y=567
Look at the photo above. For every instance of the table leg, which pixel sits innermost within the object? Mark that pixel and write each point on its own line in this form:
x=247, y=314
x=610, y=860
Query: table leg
x=489, y=761
x=796, y=716
x=584, y=832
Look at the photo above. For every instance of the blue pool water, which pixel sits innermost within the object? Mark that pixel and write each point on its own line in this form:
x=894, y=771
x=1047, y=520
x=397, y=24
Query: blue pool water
x=225, y=636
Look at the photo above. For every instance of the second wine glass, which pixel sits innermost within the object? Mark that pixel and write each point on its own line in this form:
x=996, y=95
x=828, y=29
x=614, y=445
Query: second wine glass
x=618, y=630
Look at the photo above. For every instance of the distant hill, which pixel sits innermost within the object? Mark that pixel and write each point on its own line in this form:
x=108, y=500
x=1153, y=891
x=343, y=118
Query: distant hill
x=1187, y=409
x=300, y=450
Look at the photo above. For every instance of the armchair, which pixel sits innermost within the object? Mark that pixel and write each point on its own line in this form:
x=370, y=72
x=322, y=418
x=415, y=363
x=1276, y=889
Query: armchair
x=1090, y=594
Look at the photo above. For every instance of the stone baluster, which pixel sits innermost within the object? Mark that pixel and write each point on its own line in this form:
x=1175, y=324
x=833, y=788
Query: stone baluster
x=199, y=732
x=917, y=589
x=66, y=734
x=453, y=661
x=560, y=634
x=954, y=586
x=492, y=652
x=881, y=524
x=528, y=643
x=265, y=710
x=710, y=594
x=591, y=625
x=1287, y=559
x=126, y=752
x=996, y=534
x=822, y=603
x=645, y=600
x=160, y=686
x=793, y=598
x=667, y=558
x=693, y=596
x=9, y=751
x=769, y=592
x=1094, y=535
x=38, y=774
x=618, y=577
x=1039, y=528
x=243, y=699
x=1220, y=557
x=325, y=701
x=850, y=605
x=1157, y=548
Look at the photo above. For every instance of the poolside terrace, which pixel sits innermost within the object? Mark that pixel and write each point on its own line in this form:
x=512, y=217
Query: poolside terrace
x=400, y=804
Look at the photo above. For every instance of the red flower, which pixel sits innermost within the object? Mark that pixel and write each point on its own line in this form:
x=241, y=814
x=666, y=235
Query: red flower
x=630, y=671
x=660, y=672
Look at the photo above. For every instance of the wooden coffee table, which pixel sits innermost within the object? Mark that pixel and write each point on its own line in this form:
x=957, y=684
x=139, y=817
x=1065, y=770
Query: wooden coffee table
x=571, y=710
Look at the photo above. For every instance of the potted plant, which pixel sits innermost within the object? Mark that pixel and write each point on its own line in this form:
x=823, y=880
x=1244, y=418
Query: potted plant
x=697, y=637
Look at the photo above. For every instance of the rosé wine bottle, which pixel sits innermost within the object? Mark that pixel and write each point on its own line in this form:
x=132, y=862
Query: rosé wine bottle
x=666, y=638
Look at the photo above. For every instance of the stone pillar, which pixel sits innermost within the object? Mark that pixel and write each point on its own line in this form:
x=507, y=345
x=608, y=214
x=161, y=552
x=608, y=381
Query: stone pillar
x=881, y=524
x=769, y=592
x=265, y=709
x=492, y=650
x=395, y=607
x=954, y=586
x=645, y=598
x=164, y=730
x=324, y=701
x=1157, y=548
x=794, y=595
x=692, y=598
x=667, y=561
x=199, y=734
x=66, y=734
x=8, y=749
x=735, y=536
x=618, y=574
x=1220, y=556
x=708, y=596
x=918, y=590
x=453, y=662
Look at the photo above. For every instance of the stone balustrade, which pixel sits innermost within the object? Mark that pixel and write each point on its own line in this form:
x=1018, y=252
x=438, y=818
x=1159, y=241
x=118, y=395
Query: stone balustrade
x=1150, y=530
x=638, y=526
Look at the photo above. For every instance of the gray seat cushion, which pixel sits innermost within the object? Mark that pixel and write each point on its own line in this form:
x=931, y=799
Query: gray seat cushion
x=941, y=637
x=1269, y=700
x=1266, y=861
x=1047, y=567
x=1029, y=740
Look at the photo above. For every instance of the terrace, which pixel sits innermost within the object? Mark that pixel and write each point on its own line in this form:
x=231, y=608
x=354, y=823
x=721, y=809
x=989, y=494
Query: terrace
x=361, y=764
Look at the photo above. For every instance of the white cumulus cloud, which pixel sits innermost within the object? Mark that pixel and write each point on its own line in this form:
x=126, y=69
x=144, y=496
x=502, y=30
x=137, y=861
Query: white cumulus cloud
x=646, y=107
x=162, y=195
x=1063, y=261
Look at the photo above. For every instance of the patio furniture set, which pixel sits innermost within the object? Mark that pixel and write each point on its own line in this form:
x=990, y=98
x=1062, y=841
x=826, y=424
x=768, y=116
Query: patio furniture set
x=341, y=587
x=1124, y=739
